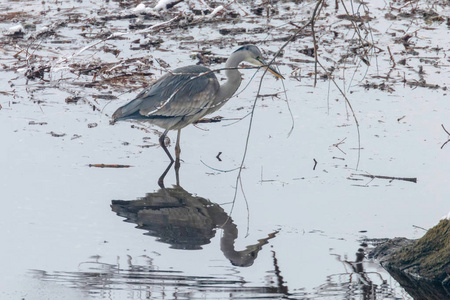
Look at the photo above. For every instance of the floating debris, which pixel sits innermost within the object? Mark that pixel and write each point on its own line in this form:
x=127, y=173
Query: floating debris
x=17, y=30
x=56, y=134
x=166, y=4
x=37, y=123
x=73, y=99
x=108, y=166
x=232, y=31
x=139, y=9
x=410, y=179
x=216, y=11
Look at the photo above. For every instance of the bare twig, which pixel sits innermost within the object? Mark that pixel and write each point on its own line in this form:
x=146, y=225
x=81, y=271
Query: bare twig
x=418, y=227
x=218, y=170
x=410, y=179
x=347, y=101
x=448, y=140
x=238, y=177
x=340, y=143
x=392, y=57
x=108, y=166
x=357, y=30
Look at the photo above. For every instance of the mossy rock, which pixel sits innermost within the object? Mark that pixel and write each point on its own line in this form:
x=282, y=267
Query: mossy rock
x=422, y=266
x=429, y=256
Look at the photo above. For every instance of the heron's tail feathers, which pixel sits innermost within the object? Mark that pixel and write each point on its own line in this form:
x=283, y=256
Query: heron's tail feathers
x=127, y=111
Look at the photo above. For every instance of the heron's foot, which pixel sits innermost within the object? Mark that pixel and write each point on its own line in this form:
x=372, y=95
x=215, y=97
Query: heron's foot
x=166, y=141
x=209, y=120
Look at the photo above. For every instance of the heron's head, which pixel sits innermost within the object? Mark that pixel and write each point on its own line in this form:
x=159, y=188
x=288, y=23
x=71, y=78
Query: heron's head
x=254, y=56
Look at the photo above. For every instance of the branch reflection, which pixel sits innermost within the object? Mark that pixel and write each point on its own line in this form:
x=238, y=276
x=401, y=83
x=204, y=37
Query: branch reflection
x=177, y=217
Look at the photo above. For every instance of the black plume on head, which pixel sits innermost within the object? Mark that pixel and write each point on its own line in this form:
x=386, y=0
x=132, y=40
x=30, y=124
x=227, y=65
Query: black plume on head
x=245, y=47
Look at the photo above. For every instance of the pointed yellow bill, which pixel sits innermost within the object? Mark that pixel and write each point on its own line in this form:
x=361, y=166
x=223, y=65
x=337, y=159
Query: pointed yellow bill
x=271, y=69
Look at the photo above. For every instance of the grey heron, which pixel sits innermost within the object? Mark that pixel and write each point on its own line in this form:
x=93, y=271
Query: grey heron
x=187, y=94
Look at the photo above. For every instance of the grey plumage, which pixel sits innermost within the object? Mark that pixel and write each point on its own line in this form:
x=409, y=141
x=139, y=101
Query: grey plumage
x=173, y=100
x=187, y=94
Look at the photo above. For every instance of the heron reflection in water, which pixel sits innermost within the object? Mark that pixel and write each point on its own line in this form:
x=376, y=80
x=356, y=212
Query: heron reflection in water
x=187, y=94
x=177, y=217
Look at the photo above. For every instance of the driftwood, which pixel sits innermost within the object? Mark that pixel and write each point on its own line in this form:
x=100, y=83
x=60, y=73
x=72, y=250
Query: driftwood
x=108, y=166
x=410, y=179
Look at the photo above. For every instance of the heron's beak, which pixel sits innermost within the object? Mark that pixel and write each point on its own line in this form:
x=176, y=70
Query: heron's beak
x=271, y=69
x=275, y=72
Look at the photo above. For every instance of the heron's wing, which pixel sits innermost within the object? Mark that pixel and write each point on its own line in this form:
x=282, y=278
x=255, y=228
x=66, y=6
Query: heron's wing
x=184, y=92
x=179, y=94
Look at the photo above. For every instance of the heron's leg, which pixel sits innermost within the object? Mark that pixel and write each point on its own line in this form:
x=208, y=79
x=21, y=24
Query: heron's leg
x=177, y=146
x=162, y=139
x=161, y=178
x=177, y=173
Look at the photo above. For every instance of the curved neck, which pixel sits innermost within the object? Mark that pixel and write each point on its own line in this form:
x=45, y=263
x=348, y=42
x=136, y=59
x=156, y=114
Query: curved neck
x=234, y=79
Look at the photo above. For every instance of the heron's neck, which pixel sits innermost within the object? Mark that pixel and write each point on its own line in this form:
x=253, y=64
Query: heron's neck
x=233, y=78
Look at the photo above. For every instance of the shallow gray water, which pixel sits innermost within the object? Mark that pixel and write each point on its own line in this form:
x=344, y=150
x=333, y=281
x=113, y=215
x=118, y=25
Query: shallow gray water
x=295, y=227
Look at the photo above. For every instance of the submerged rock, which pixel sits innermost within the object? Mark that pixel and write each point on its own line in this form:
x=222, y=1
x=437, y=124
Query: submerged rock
x=421, y=267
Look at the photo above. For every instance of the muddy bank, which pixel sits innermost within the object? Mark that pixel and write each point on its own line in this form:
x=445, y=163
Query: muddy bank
x=422, y=267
